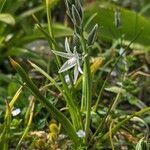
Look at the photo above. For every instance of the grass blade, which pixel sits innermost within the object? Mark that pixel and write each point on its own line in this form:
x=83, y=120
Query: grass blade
x=34, y=89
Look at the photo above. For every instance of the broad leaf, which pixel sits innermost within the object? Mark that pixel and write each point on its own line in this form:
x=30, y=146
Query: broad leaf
x=131, y=23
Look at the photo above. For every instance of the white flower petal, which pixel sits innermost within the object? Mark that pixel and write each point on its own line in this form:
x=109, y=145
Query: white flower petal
x=72, y=60
x=16, y=112
x=62, y=54
x=79, y=68
x=80, y=133
x=67, y=48
x=67, y=79
x=75, y=51
x=67, y=65
x=76, y=73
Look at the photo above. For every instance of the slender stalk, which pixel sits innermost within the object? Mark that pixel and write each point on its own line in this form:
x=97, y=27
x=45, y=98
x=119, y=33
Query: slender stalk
x=116, y=128
x=110, y=136
x=4, y=136
x=101, y=126
x=31, y=108
x=2, y=2
x=7, y=128
x=86, y=99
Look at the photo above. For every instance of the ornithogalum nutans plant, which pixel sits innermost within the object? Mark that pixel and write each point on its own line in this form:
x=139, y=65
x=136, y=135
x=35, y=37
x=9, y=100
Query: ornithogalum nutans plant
x=68, y=96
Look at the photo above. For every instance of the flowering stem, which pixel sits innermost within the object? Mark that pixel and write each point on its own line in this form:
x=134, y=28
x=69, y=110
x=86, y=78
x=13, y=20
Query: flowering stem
x=86, y=99
x=73, y=109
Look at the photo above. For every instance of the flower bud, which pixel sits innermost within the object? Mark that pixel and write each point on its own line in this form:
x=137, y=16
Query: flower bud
x=79, y=8
x=92, y=35
x=77, y=21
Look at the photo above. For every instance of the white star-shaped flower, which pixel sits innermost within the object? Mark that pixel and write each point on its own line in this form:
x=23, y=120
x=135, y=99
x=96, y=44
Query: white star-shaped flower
x=16, y=112
x=80, y=133
x=73, y=60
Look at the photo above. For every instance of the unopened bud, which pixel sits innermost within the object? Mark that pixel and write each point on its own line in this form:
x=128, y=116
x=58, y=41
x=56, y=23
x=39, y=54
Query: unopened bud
x=92, y=35
x=76, y=16
x=79, y=7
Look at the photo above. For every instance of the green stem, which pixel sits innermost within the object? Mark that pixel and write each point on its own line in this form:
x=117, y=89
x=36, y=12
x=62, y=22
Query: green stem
x=73, y=109
x=101, y=126
x=110, y=136
x=86, y=99
x=31, y=109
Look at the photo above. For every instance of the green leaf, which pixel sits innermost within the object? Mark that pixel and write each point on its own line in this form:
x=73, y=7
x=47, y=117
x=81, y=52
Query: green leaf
x=131, y=23
x=7, y=18
x=58, y=29
x=47, y=76
x=115, y=89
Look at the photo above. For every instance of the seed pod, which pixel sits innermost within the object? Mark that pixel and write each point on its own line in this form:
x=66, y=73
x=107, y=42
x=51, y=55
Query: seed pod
x=92, y=35
x=77, y=21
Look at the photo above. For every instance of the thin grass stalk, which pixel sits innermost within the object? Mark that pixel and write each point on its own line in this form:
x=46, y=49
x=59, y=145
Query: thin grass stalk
x=86, y=99
x=27, y=115
x=31, y=108
x=5, y=134
x=74, y=112
x=116, y=62
x=111, y=137
x=7, y=127
x=14, y=99
x=2, y=4
x=120, y=124
x=47, y=76
x=101, y=126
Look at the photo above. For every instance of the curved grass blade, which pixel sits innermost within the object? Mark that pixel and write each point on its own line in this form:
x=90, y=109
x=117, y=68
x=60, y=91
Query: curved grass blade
x=7, y=18
x=34, y=89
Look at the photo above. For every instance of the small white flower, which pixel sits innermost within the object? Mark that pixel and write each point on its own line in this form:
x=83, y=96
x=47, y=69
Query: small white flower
x=67, y=79
x=80, y=133
x=16, y=112
x=73, y=60
x=121, y=50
